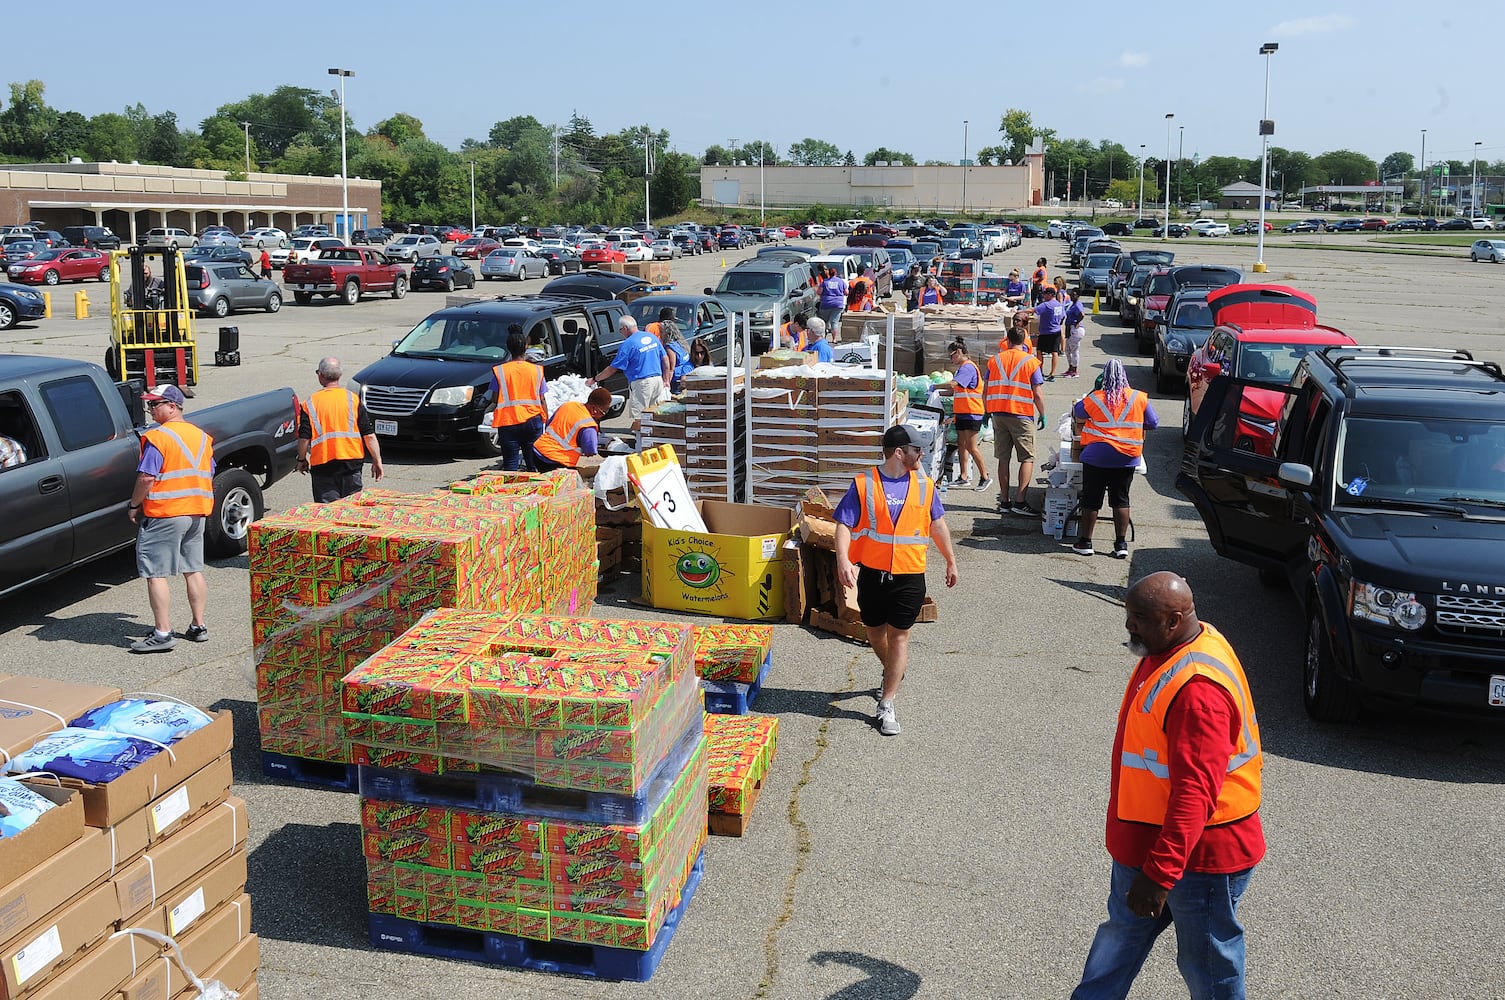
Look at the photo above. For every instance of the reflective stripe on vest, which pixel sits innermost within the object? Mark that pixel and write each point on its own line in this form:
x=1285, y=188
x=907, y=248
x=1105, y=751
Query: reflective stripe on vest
x=185, y=486
x=560, y=440
x=968, y=402
x=1123, y=430
x=1144, y=774
x=877, y=542
x=332, y=419
x=1009, y=389
x=517, y=399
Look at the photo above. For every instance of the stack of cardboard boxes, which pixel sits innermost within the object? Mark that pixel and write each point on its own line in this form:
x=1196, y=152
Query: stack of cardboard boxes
x=715, y=451
x=161, y=848
x=574, y=803
x=740, y=749
x=959, y=278
x=853, y=410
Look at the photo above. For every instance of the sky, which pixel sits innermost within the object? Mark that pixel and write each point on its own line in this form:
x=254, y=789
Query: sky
x=1363, y=76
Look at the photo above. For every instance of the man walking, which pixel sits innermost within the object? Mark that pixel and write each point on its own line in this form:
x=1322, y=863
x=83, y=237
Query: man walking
x=884, y=525
x=1052, y=316
x=266, y=264
x=1112, y=420
x=1183, y=802
x=335, y=433
x=1016, y=406
x=174, y=493
x=644, y=361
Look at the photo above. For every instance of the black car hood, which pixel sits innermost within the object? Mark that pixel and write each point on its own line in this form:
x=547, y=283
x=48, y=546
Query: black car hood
x=1424, y=552
x=425, y=373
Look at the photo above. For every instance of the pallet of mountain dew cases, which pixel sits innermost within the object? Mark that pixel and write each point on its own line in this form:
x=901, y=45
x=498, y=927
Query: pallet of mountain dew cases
x=739, y=749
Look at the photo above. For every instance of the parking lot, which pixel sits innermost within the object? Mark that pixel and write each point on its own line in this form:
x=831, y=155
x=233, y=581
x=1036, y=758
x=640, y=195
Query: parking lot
x=965, y=857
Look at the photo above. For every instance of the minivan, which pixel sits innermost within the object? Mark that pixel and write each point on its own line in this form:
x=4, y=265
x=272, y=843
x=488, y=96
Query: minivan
x=93, y=237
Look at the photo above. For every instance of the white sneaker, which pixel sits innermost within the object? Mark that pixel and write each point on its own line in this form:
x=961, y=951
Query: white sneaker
x=888, y=724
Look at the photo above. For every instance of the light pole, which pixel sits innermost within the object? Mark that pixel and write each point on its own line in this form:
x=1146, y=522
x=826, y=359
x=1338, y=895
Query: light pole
x=1474, y=185
x=647, y=175
x=1266, y=129
x=1139, y=205
x=1421, y=184
x=247, y=126
x=344, y=227
x=1180, y=155
x=472, y=197
x=964, y=166
x=1165, y=230
x=762, y=152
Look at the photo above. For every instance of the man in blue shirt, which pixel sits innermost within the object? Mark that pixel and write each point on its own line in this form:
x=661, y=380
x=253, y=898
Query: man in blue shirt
x=819, y=345
x=645, y=363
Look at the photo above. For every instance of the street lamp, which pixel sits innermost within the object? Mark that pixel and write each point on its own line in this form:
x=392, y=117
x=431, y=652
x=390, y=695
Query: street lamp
x=1474, y=187
x=1139, y=205
x=964, y=166
x=1421, y=184
x=1165, y=230
x=762, y=152
x=344, y=227
x=1180, y=155
x=472, y=197
x=1266, y=129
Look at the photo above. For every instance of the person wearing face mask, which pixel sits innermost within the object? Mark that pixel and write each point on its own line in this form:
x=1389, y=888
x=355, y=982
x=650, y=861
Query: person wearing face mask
x=1184, y=794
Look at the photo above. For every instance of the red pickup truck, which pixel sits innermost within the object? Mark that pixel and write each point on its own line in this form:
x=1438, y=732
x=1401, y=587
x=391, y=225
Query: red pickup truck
x=347, y=272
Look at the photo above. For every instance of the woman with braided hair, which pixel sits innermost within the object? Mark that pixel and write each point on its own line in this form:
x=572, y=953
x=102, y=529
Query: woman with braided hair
x=1111, y=420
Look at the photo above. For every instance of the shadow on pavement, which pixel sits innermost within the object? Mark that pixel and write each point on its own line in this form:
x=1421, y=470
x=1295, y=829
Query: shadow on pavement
x=35, y=605
x=301, y=877
x=816, y=704
x=885, y=980
x=96, y=628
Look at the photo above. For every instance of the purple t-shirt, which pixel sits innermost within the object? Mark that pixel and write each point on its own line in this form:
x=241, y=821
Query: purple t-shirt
x=1016, y=286
x=151, y=461
x=895, y=490
x=1075, y=314
x=1104, y=455
x=587, y=440
x=1052, y=315
x=967, y=376
x=833, y=293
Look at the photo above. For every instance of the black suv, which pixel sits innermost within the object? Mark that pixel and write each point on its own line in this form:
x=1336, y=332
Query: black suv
x=1383, y=505
x=432, y=388
x=94, y=237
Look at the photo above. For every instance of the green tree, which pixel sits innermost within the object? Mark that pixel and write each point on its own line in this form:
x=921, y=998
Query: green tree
x=992, y=156
x=286, y=116
x=1344, y=166
x=1019, y=132
x=848, y=160
x=69, y=137
x=887, y=155
x=1219, y=171
x=111, y=137
x=1397, y=164
x=750, y=153
x=165, y=142
x=814, y=153
x=675, y=183
x=400, y=128
x=26, y=122
x=717, y=155
x=512, y=131
x=1126, y=189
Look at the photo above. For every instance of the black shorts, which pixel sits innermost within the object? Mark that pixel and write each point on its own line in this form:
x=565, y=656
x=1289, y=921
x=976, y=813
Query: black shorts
x=889, y=599
x=1050, y=343
x=964, y=422
x=1097, y=480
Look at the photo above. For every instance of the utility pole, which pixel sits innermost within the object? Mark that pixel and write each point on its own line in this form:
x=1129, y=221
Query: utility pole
x=647, y=173
x=343, y=228
x=556, y=157
x=1422, y=183
x=247, y=127
x=1165, y=229
x=964, y=166
x=1180, y=155
x=472, y=197
x=1139, y=205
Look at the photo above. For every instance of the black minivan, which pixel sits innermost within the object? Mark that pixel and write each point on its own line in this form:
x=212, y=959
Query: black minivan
x=93, y=237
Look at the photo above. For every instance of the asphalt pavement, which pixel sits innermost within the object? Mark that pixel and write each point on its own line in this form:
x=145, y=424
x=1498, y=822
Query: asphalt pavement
x=963, y=858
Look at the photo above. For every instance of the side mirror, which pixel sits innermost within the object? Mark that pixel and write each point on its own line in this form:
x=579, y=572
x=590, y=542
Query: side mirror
x=1295, y=474
x=710, y=291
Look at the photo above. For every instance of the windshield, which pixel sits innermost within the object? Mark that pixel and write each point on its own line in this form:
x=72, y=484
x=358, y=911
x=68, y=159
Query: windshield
x=899, y=258
x=462, y=337
x=1101, y=260
x=409, y=240
x=951, y=246
x=751, y=283
x=645, y=310
x=1193, y=314
x=1152, y=256
x=1160, y=284
x=1388, y=457
x=1274, y=363
x=926, y=249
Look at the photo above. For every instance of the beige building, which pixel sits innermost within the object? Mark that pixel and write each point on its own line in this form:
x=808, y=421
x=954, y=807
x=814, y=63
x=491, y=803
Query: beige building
x=131, y=198
x=898, y=190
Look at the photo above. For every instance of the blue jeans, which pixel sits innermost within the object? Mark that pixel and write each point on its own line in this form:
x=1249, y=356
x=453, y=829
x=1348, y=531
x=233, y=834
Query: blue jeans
x=516, y=442
x=1209, y=938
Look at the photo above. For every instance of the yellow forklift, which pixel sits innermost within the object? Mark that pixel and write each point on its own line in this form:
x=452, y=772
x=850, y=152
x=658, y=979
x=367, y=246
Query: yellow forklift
x=151, y=319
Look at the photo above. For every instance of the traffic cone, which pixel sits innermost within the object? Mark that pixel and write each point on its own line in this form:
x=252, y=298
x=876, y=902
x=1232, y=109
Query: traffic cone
x=723, y=262
x=1097, y=301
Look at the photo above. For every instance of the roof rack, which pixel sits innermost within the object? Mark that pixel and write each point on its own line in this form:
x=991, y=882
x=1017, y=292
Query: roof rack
x=1339, y=355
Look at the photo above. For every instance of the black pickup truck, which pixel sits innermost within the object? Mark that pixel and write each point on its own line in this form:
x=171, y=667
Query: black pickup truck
x=1383, y=506
x=65, y=504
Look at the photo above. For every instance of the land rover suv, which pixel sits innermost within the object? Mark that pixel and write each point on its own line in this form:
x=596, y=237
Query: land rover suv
x=770, y=290
x=1383, y=506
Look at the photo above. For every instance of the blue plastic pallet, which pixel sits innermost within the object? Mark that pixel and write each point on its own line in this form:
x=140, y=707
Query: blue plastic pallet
x=390, y=933
x=507, y=793
x=734, y=697
x=315, y=773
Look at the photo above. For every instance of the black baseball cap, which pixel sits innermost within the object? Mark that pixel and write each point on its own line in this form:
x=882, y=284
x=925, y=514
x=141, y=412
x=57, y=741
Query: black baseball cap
x=898, y=437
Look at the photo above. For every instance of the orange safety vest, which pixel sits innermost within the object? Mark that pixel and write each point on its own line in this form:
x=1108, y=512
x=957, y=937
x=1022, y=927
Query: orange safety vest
x=1039, y=277
x=860, y=297
x=877, y=542
x=1124, y=430
x=932, y=296
x=1144, y=785
x=799, y=337
x=1009, y=389
x=967, y=402
x=560, y=441
x=332, y=418
x=517, y=401
x=186, y=484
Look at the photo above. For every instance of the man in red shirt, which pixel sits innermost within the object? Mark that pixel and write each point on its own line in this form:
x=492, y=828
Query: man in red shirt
x=1183, y=822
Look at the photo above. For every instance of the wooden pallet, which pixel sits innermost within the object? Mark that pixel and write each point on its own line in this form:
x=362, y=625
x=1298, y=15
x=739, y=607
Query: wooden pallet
x=735, y=824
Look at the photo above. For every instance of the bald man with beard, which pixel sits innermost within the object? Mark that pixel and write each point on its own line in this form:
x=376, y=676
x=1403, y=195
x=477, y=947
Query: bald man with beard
x=1183, y=806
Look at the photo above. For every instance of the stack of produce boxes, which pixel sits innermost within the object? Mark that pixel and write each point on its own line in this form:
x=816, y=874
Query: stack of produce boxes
x=573, y=801
x=784, y=441
x=664, y=424
x=160, y=847
x=959, y=278
x=854, y=410
x=715, y=452
x=740, y=749
x=733, y=661
x=333, y=583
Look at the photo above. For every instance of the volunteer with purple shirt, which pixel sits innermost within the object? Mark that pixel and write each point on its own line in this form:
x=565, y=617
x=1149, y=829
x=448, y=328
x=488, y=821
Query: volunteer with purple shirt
x=833, y=297
x=1052, y=316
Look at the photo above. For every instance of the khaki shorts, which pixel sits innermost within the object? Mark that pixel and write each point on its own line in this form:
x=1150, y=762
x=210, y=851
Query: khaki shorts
x=1014, y=434
x=645, y=394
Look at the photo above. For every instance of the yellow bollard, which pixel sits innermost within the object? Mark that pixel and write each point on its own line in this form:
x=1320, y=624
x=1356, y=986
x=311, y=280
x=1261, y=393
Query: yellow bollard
x=1097, y=301
x=46, y=305
x=80, y=304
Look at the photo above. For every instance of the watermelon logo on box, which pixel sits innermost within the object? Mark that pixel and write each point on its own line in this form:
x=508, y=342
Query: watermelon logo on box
x=699, y=570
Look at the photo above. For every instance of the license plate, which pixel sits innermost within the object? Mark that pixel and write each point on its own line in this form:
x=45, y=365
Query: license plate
x=305, y=288
x=388, y=428
x=1497, y=690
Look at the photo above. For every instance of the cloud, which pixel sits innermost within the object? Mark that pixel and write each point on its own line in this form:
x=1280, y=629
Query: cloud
x=1313, y=25
x=1134, y=60
x=1101, y=85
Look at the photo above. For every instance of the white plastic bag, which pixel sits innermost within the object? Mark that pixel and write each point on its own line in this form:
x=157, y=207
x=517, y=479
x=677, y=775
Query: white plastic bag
x=611, y=476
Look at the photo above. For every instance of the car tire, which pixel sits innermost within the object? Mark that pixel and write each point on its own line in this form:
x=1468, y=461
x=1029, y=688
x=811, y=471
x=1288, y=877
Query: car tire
x=303, y=298
x=449, y=283
x=112, y=361
x=1186, y=416
x=351, y=293
x=400, y=287
x=1327, y=697
x=488, y=446
x=1473, y=258
x=50, y=278
x=104, y=274
x=8, y=316
x=220, y=307
x=485, y=277
x=274, y=303
x=237, y=502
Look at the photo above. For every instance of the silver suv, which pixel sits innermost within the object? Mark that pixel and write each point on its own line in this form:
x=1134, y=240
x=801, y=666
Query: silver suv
x=771, y=290
x=413, y=246
x=176, y=238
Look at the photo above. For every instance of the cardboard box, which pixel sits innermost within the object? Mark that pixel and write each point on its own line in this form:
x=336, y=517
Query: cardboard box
x=172, y=862
x=56, y=879
x=30, y=959
x=54, y=830
x=733, y=570
x=183, y=908
x=216, y=935
x=99, y=974
x=237, y=970
x=157, y=776
x=33, y=706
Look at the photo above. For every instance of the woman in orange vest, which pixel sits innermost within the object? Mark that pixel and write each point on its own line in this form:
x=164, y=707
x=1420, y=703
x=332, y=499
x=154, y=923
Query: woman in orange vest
x=966, y=391
x=931, y=293
x=793, y=335
x=574, y=430
x=1111, y=420
x=174, y=494
x=884, y=524
x=860, y=295
x=518, y=389
x=1037, y=282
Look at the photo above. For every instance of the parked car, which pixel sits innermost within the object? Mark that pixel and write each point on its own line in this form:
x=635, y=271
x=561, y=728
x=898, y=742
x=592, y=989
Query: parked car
x=635, y=250
x=816, y=231
x=1132, y=293
x=223, y=254
x=413, y=246
x=475, y=247
x=767, y=287
x=1453, y=225
x=517, y=263
x=218, y=238
x=1373, y=225
x=689, y=243
x=562, y=261
x=1302, y=226
x=602, y=253
x=1118, y=229
x=876, y=258
x=904, y=268
x=266, y=236
x=311, y=229
x=63, y=264
x=1480, y=222
x=1095, y=270
x=1162, y=285
x=1404, y=225
x=1175, y=230
x=1145, y=222
x=701, y=317
x=1348, y=226
x=22, y=249
x=302, y=249
x=445, y=272
x=1209, y=227
x=665, y=250
x=175, y=238
x=1188, y=322
x=18, y=303
x=219, y=288
x=94, y=237
x=375, y=236
x=346, y=272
